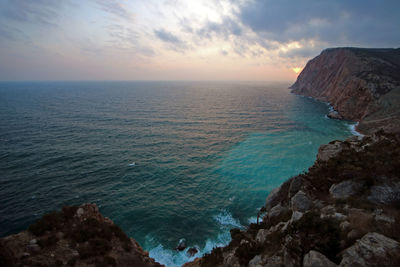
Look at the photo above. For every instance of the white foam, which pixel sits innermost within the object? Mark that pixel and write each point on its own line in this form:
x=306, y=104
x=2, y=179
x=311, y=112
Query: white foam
x=352, y=128
x=170, y=257
x=225, y=218
x=252, y=220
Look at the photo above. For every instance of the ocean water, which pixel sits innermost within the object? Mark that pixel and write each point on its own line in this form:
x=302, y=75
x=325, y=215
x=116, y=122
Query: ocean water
x=164, y=160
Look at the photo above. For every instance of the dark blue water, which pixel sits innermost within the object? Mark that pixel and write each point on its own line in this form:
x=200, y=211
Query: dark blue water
x=206, y=154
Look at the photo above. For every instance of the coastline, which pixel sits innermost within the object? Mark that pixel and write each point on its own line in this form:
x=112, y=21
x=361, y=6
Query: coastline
x=352, y=125
x=327, y=214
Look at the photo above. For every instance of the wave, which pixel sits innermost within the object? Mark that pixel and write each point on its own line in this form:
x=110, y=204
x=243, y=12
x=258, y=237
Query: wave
x=253, y=220
x=172, y=258
x=352, y=128
x=225, y=218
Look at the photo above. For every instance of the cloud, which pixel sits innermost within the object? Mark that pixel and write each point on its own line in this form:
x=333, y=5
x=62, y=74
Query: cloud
x=127, y=38
x=366, y=22
x=13, y=35
x=175, y=43
x=225, y=28
x=38, y=12
x=115, y=8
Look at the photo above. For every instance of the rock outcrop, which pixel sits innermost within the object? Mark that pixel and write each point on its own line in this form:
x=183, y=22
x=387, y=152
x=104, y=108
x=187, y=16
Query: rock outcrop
x=329, y=216
x=361, y=84
x=75, y=236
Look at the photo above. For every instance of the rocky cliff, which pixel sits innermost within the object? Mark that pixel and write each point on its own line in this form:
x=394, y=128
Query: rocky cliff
x=75, y=236
x=344, y=211
x=361, y=84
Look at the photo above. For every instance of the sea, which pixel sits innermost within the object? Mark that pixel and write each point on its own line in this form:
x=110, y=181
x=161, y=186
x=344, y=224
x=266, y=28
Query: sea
x=165, y=160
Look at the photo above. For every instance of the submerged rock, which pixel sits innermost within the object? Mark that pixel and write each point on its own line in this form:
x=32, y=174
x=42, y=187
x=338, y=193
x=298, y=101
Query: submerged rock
x=191, y=252
x=181, y=245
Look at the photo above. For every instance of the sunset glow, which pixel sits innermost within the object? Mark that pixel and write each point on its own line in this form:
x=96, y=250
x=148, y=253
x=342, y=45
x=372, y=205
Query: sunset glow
x=176, y=40
x=297, y=70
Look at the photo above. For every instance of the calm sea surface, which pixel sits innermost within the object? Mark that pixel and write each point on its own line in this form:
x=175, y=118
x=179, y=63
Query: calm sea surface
x=164, y=160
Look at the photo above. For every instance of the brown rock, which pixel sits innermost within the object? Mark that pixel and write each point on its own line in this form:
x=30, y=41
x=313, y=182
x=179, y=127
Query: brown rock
x=361, y=84
x=372, y=250
x=316, y=259
x=45, y=243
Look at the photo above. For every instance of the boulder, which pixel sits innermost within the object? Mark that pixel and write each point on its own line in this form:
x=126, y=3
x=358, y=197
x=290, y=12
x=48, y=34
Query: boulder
x=276, y=211
x=385, y=194
x=316, y=259
x=296, y=215
x=344, y=189
x=262, y=235
x=231, y=260
x=272, y=199
x=300, y=202
x=295, y=185
x=372, y=249
x=325, y=152
x=256, y=261
x=263, y=261
x=382, y=218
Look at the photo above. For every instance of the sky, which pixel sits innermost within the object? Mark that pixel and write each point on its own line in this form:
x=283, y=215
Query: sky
x=183, y=39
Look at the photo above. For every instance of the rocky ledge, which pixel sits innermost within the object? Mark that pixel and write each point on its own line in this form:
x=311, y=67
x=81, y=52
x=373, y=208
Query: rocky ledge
x=361, y=84
x=75, y=236
x=344, y=211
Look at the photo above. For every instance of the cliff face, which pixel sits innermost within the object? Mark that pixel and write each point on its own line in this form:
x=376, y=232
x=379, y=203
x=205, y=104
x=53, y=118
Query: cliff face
x=76, y=236
x=344, y=211
x=361, y=84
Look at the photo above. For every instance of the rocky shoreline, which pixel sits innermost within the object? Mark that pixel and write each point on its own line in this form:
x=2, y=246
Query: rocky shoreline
x=74, y=236
x=345, y=211
x=361, y=85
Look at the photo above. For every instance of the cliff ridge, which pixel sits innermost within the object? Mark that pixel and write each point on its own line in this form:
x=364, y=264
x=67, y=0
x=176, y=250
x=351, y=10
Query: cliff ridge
x=345, y=211
x=361, y=84
x=74, y=236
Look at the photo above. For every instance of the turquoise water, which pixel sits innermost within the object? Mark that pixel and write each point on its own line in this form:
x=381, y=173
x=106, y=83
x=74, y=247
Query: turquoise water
x=206, y=154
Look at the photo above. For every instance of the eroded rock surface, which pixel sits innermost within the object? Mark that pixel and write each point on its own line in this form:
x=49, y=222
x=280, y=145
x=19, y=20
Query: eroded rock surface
x=372, y=250
x=316, y=259
x=75, y=236
x=329, y=216
x=361, y=85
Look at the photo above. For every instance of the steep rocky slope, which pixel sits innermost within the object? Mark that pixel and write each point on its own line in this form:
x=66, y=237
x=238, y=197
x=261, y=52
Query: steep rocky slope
x=361, y=85
x=76, y=236
x=344, y=211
